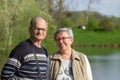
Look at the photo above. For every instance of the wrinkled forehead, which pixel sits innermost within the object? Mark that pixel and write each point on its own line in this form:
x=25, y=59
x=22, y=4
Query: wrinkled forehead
x=38, y=21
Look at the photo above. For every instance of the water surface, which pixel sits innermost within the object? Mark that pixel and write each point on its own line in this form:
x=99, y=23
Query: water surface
x=105, y=67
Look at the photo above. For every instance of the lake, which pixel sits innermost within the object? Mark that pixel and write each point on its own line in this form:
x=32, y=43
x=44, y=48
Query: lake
x=105, y=67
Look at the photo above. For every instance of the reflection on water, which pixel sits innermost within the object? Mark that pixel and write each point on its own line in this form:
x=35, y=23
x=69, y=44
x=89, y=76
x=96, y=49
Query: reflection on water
x=106, y=67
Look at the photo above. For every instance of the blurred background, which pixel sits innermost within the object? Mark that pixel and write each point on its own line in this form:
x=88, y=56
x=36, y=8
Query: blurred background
x=95, y=23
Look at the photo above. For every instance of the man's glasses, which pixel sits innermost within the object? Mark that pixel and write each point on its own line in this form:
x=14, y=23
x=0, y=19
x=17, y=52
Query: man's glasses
x=62, y=38
x=38, y=29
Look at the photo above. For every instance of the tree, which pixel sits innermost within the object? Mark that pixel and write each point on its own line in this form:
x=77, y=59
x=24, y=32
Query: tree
x=59, y=10
x=106, y=24
x=15, y=16
x=93, y=23
x=89, y=8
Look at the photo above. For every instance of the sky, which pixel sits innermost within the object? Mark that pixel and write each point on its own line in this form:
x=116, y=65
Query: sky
x=105, y=7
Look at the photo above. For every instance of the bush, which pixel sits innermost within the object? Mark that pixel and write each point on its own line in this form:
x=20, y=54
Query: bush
x=106, y=25
x=92, y=23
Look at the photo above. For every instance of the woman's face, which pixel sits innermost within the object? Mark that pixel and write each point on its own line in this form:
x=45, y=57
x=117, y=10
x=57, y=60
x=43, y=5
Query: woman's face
x=63, y=40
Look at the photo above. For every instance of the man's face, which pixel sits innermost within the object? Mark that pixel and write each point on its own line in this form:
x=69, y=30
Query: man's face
x=39, y=30
x=63, y=40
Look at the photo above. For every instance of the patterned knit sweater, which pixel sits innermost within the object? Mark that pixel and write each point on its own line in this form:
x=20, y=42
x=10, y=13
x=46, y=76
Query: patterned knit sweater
x=21, y=64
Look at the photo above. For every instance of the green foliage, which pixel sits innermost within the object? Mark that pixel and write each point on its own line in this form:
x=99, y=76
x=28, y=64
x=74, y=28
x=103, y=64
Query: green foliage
x=66, y=22
x=15, y=16
x=93, y=23
x=106, y=25
x=72, y=19
x=80, y=19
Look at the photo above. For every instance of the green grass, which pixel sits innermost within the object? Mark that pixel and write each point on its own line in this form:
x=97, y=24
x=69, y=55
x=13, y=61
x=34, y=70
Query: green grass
x=85, y=36
x=91, y=37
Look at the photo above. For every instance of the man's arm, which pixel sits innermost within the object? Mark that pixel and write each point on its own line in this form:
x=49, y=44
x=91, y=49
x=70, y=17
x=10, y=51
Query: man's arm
x=12, y=65
x=9, y=69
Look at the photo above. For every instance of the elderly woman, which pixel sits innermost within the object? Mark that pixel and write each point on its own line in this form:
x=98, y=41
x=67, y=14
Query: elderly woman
x=66, y=63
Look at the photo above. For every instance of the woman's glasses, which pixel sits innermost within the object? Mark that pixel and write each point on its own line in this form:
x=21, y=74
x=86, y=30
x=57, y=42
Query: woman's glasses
x=62, y=38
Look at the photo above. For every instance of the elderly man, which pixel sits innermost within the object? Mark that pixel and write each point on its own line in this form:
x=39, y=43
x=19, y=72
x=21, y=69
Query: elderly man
x=28, y=60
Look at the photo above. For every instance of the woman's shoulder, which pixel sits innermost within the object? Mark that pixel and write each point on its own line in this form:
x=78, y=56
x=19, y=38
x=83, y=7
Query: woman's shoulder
x=54, y=55
x=78, y=53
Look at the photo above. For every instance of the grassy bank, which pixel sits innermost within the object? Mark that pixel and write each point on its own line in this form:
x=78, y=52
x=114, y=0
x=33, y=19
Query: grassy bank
x=80, y=37
x=86, y=37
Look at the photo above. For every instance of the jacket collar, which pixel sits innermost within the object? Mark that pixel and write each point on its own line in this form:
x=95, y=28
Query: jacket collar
x=75, y=55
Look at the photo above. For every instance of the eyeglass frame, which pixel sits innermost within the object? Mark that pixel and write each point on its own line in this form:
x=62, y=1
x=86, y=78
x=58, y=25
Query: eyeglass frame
x=38, y=29
x=62, y=38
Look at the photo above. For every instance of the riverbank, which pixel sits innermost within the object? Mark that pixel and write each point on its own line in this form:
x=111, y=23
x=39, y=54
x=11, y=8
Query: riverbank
x=99, y=45
x=96, y=37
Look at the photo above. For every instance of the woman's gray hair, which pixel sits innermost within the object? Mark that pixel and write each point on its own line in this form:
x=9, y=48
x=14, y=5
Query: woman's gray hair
x=68, y=30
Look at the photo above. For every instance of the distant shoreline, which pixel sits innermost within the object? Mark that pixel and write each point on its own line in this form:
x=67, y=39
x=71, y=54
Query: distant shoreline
x=97, y=45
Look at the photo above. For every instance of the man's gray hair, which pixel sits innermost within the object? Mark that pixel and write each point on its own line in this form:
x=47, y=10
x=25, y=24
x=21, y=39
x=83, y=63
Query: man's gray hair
x=68, y=30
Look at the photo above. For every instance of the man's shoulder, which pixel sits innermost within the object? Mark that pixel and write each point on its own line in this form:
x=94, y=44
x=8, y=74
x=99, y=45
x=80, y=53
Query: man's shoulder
x=77, y=52
x=24, y=42
x=22, y=45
